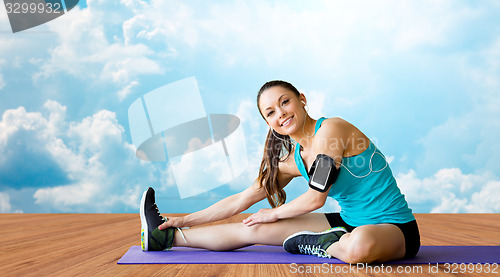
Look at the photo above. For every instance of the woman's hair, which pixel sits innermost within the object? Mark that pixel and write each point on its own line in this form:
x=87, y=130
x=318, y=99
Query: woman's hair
x=277, y=148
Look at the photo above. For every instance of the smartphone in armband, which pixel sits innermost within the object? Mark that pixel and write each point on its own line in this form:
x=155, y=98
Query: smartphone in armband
x=323, y=173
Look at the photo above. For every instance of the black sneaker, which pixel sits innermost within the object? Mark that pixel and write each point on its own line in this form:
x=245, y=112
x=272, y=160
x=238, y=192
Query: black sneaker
x=152, y=238
x=311, y=243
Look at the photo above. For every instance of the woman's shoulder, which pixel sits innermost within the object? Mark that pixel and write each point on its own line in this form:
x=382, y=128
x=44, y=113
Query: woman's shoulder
x=334, y=121
x=334, y=126
x=339, y=132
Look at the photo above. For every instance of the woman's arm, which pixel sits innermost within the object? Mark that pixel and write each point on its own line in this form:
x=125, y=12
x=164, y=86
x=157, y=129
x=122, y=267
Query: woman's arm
x=305, y=203
x=223, y=209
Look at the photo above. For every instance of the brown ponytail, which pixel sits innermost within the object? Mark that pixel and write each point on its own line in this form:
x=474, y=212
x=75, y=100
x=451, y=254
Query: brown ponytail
x=277, y=148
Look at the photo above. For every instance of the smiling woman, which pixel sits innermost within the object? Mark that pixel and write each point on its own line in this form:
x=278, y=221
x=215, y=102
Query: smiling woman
x=374, y=225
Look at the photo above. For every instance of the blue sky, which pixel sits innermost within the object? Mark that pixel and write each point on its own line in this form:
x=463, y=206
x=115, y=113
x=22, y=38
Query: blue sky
x=420, y=78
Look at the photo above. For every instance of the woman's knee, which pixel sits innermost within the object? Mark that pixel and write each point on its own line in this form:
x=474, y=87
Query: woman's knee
x=256, y=233
x=267, y=233
x=360, y=248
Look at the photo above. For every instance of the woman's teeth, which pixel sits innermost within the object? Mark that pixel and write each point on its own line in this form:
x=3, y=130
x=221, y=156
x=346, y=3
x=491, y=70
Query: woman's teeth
x=287, y=122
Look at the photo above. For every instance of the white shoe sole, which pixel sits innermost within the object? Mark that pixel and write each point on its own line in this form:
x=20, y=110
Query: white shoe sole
x=144, y=225
x=315, y=233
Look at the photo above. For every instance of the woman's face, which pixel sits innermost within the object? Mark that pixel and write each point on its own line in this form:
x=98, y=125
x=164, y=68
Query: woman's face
x=282, y=109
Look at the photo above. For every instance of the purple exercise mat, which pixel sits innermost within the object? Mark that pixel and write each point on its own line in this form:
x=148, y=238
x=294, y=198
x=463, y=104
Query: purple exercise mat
x=265, y=254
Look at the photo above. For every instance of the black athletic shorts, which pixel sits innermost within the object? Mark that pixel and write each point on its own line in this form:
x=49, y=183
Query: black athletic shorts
x=409, y=229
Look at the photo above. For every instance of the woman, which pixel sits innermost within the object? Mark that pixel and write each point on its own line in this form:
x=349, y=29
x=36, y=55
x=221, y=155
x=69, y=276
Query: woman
x=374, y=225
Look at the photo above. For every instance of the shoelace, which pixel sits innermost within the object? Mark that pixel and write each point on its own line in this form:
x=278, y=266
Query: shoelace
x=166, y=219
x=313, y=250
x=157, y=210
x=182, y=234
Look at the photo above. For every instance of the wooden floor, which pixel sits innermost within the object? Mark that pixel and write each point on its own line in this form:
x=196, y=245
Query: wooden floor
x=91, y=245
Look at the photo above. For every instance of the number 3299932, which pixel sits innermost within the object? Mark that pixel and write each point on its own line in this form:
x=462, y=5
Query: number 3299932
x=33, y=8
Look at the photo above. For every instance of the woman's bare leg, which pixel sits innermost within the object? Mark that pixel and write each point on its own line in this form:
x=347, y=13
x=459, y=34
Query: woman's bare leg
x=370, y=243
x=365, y=244
x=231, y=236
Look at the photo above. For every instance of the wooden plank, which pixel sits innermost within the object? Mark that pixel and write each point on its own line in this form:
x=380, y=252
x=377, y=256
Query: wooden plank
x=91, y=244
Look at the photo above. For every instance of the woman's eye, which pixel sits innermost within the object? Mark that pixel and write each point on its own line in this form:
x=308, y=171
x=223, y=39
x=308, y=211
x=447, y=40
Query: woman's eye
x=285, y=102
x=270, y=113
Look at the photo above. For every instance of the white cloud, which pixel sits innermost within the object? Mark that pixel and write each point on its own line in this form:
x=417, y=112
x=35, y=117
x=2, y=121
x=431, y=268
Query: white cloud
x=2, y=79
x=102, y=165
x=86, y=44
x=389, y=159
x=248, y=113
x=451, y=191
x=102, y=171
x=330, y=206
x=327, y=32
x=124, y=92
x=466, y=141
x=2, y=82
x=14, y=120
x=255, y=130
x=324, y=33
x=430, y=26
x=117, y=42
x=4, y=203
x=96, y=131
x=487, y=200
x=211, y=167
x=316, y=103
x=469, y=139
x=84, y=49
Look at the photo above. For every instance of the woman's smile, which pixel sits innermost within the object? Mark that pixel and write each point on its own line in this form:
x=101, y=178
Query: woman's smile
x=287, y=121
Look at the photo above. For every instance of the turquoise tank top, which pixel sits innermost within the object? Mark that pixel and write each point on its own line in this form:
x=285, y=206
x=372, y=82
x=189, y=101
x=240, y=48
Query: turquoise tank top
x=372, y=199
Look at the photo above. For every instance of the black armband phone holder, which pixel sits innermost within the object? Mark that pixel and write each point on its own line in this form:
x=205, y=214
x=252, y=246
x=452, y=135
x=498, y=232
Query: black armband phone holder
x=323, y=173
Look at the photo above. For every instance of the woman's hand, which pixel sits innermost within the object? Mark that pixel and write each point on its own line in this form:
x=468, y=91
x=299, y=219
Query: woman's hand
x=172, y=222
x=263, y=216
